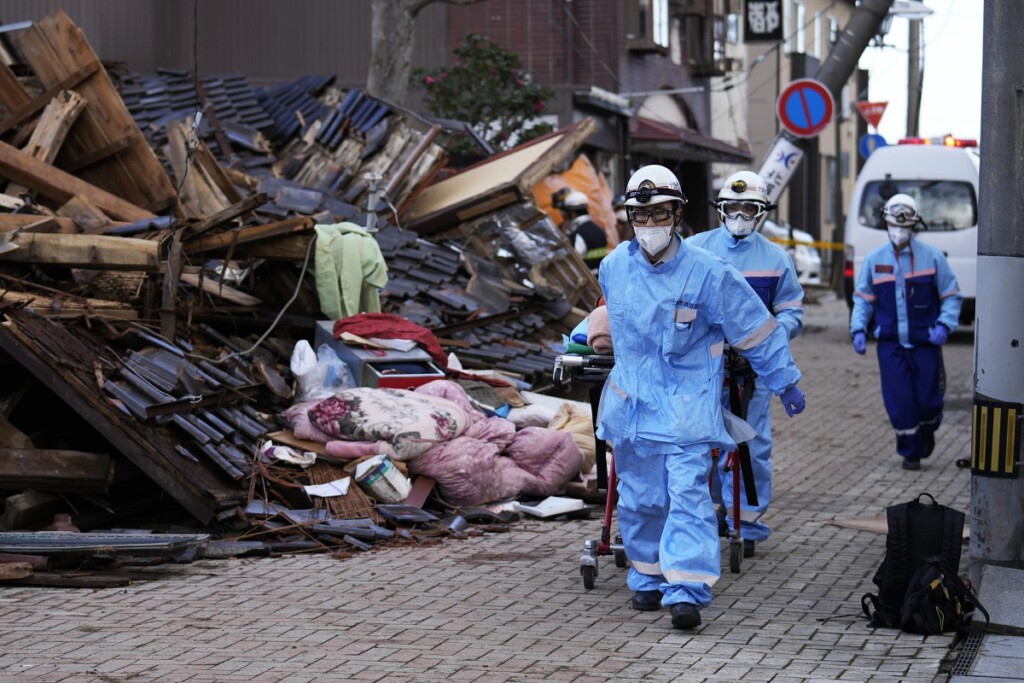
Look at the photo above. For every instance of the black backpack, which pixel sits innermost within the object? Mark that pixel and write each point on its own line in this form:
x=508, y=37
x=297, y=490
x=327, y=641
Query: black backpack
x=937, y=601
x=922, y=545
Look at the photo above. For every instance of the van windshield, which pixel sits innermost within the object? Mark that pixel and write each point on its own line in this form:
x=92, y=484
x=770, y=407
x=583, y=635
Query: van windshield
x=944, y=204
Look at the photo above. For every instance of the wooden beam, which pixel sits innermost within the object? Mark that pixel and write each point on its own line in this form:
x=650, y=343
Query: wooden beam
x=169, y=289
x=86, y=215
x=72, y=307
x=12, y=93
x=113, y=147
x=220, y=290
x=26, y=222
x=44, y=469
x=51, y=182
x=252, y=233
x=99, y=252
x=44, y=97
x=234, y=211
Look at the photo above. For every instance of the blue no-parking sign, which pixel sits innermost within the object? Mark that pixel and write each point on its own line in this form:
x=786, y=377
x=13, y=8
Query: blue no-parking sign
x=869, y=142
x=805, y=107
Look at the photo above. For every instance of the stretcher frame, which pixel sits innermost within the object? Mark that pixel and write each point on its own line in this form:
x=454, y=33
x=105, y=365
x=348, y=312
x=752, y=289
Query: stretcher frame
x=595, y=369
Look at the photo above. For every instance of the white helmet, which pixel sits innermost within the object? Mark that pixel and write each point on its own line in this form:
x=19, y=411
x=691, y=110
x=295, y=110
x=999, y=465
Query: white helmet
x=743, y=203
x=901, y=211
x=745, y=186
x=653, y=185
x=575, y=201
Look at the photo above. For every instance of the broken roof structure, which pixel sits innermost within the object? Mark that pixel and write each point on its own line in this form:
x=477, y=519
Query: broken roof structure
x=155, y=272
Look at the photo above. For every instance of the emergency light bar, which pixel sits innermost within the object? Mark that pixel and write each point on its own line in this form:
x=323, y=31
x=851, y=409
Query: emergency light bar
x=946, y=140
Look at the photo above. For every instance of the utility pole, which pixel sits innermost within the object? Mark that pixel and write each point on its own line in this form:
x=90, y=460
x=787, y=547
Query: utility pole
x=997, y=485
x=914, y=77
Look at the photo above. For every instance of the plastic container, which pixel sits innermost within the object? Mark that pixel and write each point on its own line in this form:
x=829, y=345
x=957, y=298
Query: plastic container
x=381, y=480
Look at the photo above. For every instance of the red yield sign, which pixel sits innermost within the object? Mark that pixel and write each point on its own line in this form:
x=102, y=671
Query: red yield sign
x=805, y=107
x=872, y=111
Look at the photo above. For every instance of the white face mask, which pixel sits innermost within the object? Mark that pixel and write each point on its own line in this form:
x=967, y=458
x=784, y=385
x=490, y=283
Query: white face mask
x=653, y=240
x=899, y=236
x=739, y=225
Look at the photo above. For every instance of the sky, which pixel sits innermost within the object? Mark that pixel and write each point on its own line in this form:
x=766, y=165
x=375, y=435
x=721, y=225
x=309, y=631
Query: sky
x=951, y=94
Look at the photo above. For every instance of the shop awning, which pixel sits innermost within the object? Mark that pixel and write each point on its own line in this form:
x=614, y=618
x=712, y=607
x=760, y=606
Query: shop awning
x=664, y=140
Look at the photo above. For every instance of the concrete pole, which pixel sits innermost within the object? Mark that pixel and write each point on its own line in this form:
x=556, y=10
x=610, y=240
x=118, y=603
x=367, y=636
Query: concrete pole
x=997, y=502
x=787, y=152
x=914, y=77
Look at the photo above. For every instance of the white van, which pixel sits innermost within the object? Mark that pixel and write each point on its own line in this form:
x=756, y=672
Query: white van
x=941, y=174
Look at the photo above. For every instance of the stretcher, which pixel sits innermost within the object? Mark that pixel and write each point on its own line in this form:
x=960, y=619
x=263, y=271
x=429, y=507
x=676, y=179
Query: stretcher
x=594, y=369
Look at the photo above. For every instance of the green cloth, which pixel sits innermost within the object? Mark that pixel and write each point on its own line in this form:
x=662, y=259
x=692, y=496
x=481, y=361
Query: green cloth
x=581, y=349
x=349, y=270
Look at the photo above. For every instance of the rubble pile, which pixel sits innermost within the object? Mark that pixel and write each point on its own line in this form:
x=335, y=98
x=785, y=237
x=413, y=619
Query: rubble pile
x=158, y=270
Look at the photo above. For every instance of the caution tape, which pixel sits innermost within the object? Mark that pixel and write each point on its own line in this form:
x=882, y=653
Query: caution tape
x=837, y=246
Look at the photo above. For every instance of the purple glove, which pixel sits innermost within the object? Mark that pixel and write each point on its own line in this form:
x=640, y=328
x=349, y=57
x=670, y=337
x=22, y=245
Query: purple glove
x=793, y=400
x=860, y=342
x=938, y=335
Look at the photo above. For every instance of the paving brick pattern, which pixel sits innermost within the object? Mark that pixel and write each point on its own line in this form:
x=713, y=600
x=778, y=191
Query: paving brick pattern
x=511, y=607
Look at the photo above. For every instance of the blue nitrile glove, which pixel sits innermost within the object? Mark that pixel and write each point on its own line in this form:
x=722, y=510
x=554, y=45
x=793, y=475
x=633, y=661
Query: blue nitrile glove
x=938, y=335
x=860, y=342
x=793, y=400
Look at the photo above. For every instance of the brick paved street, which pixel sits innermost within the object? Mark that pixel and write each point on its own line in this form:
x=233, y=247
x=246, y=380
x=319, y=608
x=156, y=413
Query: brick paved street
x=511, y=607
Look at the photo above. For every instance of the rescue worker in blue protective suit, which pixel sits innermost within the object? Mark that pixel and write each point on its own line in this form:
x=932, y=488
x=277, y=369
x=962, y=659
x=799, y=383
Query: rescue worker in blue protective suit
x=742, y=205
x=908, y=294
x=671, y=309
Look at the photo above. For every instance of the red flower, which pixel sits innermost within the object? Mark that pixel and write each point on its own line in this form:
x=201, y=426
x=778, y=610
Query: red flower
x=429, y=80
x=538, y=105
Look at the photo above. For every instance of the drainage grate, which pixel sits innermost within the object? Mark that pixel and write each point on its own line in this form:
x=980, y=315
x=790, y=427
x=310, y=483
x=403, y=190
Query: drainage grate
x=968, y=652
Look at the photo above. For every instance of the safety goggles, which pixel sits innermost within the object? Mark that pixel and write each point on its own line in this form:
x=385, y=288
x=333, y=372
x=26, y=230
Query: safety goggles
x=641, y=216
x=747, y=209
x=901, y=213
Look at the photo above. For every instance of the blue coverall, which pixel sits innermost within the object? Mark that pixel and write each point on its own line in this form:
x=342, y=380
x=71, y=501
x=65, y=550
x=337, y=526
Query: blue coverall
x=661, y=408
x=907, y=293
x=770, y=272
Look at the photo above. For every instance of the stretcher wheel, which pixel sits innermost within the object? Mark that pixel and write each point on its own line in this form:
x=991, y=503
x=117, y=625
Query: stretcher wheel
x=735, y=555
x=620, y=555
x=589, y=574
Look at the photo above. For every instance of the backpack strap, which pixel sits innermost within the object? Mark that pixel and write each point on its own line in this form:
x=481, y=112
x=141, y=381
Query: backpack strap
x=956, y=586
x=897, y=544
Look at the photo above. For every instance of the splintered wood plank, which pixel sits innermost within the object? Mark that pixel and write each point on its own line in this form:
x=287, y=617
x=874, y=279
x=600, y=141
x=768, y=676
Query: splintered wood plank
x=101, y=252
x=55, y=48
x=54, y=183
x=47, y=469
x=252, y=233
x=48, y=136
x=56, y=307
x=54, y=123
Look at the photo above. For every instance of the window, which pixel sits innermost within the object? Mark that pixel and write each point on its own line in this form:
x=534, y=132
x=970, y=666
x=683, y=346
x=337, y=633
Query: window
x=647, y=25
x=944, y=204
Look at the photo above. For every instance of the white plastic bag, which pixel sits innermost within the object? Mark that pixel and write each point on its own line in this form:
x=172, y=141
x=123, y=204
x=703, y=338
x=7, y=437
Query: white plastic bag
x=318, y=375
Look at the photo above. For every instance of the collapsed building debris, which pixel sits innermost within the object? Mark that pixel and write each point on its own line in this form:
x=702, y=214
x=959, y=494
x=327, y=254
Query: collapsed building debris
x=156, y=275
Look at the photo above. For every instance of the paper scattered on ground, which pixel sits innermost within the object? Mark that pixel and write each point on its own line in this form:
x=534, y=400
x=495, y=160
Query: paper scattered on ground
x=551, y=506
x=878, y=524
x=338, y=487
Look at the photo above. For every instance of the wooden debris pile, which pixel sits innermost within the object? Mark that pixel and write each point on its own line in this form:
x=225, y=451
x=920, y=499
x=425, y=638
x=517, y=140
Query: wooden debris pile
x=155, y=276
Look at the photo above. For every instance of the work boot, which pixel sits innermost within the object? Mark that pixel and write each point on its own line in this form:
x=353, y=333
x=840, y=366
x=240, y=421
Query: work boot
x=685, y=615
x=911, y=463
x=646, y=601
x=929, y=443
x=748, y=548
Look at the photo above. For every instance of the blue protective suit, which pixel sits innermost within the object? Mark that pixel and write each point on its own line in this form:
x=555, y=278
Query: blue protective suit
x=769, y=270
x=899, y=296
x=661, y=407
